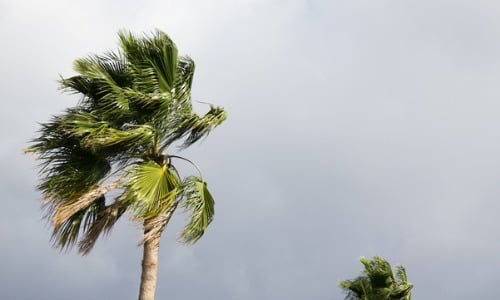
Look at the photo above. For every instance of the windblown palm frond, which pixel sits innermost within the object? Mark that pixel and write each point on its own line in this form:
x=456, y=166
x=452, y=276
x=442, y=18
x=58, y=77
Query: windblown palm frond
x=151, y=189
x=198, y=201
x=64, y=212
x=192, y=128
x=153, y=60
x=66, y=233
x=104, y=222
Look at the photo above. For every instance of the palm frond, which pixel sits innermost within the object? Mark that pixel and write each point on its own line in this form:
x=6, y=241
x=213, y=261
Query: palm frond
x=66, y=234
x=96, y=67
x=80, y=85
x=151, y=189
x=65, y=211
x=403, y=289
x=156, y=51
x=108, y=73
x=193, y=128
x=378, y=271
x=401, y=274
x=200, y=203
x=183, y=82
x=103, y=224
x=356, y=289
x=68, y=170
x=202, y=127
x=98, y=135
x=134, y=136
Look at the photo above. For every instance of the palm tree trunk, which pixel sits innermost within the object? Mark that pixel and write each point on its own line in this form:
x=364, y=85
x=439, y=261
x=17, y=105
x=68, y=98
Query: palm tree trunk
x=149, y=269
x=152, y=232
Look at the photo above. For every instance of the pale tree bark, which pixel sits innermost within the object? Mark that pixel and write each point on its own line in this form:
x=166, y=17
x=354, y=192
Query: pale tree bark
x=149, y=269
x=152, y=232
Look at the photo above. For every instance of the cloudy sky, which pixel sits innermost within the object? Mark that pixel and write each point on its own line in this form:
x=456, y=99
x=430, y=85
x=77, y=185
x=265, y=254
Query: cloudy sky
x=356, y=128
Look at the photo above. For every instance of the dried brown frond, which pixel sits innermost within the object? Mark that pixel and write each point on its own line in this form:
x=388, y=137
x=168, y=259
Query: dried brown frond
x=102, y=225
x=63, y=213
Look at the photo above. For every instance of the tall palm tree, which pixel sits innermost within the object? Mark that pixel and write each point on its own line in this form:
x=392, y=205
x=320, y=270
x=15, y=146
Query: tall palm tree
x=134, y=111
x=378, y=282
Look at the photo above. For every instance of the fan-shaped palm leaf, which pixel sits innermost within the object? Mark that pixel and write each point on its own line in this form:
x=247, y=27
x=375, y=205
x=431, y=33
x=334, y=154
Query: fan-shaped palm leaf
x=151, y=188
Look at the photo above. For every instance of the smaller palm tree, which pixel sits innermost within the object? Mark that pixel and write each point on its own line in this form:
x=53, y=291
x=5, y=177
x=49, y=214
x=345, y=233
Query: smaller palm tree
x=378, y=282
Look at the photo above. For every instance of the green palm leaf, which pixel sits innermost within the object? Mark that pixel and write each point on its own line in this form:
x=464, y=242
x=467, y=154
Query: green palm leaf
x=96, y=134
x=193, y=128
x=157, y=52
x=151, y=188
x=200, y=203
x=68, y=169
x=109, y=74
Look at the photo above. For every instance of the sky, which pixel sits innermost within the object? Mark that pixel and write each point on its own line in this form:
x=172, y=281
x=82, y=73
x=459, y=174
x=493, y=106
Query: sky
x=355, y=128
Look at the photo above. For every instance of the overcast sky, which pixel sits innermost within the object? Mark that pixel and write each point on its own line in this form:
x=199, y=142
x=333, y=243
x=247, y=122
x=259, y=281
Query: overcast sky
x=355, y=128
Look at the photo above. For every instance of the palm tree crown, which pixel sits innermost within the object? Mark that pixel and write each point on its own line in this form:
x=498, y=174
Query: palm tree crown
x=135, y=106
x=378, y=282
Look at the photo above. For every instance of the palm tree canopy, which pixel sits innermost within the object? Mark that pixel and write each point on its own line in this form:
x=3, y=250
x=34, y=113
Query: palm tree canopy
x=135, y=106
x=378, y=282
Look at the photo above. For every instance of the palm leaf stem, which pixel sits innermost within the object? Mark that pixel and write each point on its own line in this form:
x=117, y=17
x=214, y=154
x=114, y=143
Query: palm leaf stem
x=191, y=162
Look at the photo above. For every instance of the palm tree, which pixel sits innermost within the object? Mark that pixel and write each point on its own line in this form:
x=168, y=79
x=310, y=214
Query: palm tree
x=111, y=154
x=378, y=282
